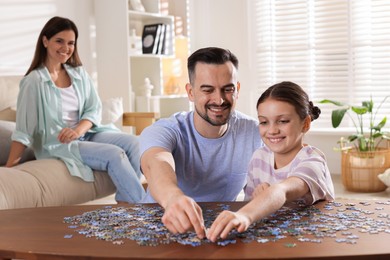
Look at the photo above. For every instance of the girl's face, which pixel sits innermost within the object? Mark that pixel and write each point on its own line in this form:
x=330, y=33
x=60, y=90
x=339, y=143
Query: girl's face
x=60, y=47
x=281, y=128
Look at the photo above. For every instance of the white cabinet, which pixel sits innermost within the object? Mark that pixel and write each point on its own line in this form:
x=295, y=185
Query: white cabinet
x=122, y=72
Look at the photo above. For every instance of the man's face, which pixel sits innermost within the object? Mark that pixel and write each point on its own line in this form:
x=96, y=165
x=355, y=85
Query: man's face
x=214, y=92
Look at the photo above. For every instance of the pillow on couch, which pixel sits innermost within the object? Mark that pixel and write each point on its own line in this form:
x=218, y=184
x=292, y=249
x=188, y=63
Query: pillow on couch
x=6, y=129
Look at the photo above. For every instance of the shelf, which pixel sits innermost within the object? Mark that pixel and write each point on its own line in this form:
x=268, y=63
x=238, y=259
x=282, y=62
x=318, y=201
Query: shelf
x=122, y=71
x=165, y=105
x=147, y=17
x=151, y=56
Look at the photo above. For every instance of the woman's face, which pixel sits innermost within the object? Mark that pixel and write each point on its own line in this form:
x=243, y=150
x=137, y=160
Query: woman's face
x=60, y=47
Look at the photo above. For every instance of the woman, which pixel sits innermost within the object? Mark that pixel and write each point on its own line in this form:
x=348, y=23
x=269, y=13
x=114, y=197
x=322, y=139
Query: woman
x=59, y=113
x=285, y=169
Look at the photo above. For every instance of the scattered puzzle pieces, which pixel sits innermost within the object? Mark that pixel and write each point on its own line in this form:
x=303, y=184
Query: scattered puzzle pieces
x=142, y=223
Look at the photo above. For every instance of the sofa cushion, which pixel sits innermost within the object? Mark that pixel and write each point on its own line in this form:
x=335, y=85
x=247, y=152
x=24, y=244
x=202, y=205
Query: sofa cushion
x=47, y=182
x=9, y=89
x=6, y=129
x=18, y=189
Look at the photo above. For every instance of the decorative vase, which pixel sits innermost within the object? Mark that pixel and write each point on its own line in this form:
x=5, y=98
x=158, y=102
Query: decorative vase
x=360, y=170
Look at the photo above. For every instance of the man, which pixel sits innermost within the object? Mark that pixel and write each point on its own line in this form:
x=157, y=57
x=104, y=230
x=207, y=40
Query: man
x=201, y=155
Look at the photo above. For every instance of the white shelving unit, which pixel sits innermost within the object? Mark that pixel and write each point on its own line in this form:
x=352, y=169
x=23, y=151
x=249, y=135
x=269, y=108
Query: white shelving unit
x=122, y=73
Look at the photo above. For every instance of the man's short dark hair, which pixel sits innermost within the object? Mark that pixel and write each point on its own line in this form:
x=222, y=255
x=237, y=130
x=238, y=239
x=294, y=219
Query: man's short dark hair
x=209, y=55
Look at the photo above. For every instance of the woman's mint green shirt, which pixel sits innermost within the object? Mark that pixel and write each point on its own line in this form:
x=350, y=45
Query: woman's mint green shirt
x=39, y=117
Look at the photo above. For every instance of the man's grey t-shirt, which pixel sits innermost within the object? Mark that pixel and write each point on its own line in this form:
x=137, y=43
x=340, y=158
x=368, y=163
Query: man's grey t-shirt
x=207, y=169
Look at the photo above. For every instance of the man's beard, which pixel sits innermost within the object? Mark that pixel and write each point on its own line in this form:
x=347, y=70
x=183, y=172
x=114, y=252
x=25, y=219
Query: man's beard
x=211, y=121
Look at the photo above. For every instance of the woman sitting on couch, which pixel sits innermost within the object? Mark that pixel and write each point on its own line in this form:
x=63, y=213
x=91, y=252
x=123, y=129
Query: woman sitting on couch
x=59, y=114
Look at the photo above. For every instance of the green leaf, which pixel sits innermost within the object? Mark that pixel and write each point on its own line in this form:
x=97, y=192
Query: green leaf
x=362, y=144
x=352, y=138
x=359, y=110
x=382, y=123
x=337, y=103
x=337, y=116
x=369, y=105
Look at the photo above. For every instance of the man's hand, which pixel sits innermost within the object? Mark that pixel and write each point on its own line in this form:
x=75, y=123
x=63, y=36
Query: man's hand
x=182, y=214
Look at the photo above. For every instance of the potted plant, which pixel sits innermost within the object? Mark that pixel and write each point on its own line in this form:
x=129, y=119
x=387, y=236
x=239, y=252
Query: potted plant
x=364, y=158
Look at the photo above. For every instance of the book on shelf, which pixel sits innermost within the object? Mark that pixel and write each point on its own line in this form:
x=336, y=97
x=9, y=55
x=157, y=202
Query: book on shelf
x=161, y=42
x=153, y=38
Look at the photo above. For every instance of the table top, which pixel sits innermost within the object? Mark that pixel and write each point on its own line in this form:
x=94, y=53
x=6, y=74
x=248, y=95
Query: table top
x=42, y=233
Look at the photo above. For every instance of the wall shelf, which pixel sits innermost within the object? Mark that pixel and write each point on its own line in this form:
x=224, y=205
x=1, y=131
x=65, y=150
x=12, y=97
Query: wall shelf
x=122, y=72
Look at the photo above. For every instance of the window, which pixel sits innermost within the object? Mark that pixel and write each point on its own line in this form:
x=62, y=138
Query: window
x=334, y=49
x=20, y=24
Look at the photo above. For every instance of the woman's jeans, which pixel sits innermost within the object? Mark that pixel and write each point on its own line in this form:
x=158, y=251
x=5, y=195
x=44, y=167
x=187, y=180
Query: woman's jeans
x=118, y=154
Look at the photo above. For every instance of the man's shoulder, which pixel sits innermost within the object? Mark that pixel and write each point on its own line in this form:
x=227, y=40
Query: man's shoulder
x=175, y=120
x=176, y=123
x=240, y=118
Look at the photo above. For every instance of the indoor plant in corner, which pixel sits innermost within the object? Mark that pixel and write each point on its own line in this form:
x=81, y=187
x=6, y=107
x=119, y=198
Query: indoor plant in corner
x=364, y=154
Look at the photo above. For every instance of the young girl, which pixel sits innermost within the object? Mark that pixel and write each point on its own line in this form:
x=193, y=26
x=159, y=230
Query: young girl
x=59, y=113
x=285, y=169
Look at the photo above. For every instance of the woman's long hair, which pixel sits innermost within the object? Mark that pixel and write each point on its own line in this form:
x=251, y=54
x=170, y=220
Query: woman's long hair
x=52, y=27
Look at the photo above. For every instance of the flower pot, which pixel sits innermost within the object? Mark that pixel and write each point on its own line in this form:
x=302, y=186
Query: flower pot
x=360, y=170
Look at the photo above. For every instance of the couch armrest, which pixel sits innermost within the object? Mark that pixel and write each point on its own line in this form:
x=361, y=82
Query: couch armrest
x=8, y=114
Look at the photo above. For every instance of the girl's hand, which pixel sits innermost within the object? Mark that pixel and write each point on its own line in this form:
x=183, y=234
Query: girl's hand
x=225, y=222
x=67, y=135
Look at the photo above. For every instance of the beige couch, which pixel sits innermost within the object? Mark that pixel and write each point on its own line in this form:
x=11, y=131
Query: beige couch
x=40, y=183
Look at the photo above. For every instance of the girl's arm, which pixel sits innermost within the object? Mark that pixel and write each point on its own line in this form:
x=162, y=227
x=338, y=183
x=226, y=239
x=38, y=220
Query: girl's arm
x=264, y=204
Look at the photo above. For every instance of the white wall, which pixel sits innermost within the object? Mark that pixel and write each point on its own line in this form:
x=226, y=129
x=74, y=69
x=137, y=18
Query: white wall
x=225, y=23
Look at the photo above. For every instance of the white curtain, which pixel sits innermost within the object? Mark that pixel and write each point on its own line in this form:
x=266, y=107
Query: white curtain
x=334, y=49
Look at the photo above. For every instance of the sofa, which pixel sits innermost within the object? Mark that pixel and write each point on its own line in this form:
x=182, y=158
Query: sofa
x=41, y=183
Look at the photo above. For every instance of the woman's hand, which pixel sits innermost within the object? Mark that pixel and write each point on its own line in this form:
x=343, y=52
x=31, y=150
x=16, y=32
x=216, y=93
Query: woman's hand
x=67, y=135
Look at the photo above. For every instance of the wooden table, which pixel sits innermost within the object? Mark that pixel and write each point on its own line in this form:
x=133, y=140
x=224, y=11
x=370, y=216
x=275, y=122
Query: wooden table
x=39, y=233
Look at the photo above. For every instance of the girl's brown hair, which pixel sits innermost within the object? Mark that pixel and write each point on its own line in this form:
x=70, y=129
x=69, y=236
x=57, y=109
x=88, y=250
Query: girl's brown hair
x=293, y=94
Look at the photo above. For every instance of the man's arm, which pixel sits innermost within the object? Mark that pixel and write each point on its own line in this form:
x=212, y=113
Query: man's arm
x=158, y=167
x=182, y=213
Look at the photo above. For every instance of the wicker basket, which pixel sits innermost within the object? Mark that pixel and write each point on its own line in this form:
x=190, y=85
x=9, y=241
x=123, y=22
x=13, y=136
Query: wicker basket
x=360, y=170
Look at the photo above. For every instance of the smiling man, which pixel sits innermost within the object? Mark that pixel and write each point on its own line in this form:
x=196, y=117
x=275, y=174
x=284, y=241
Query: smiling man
x=201, y=155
